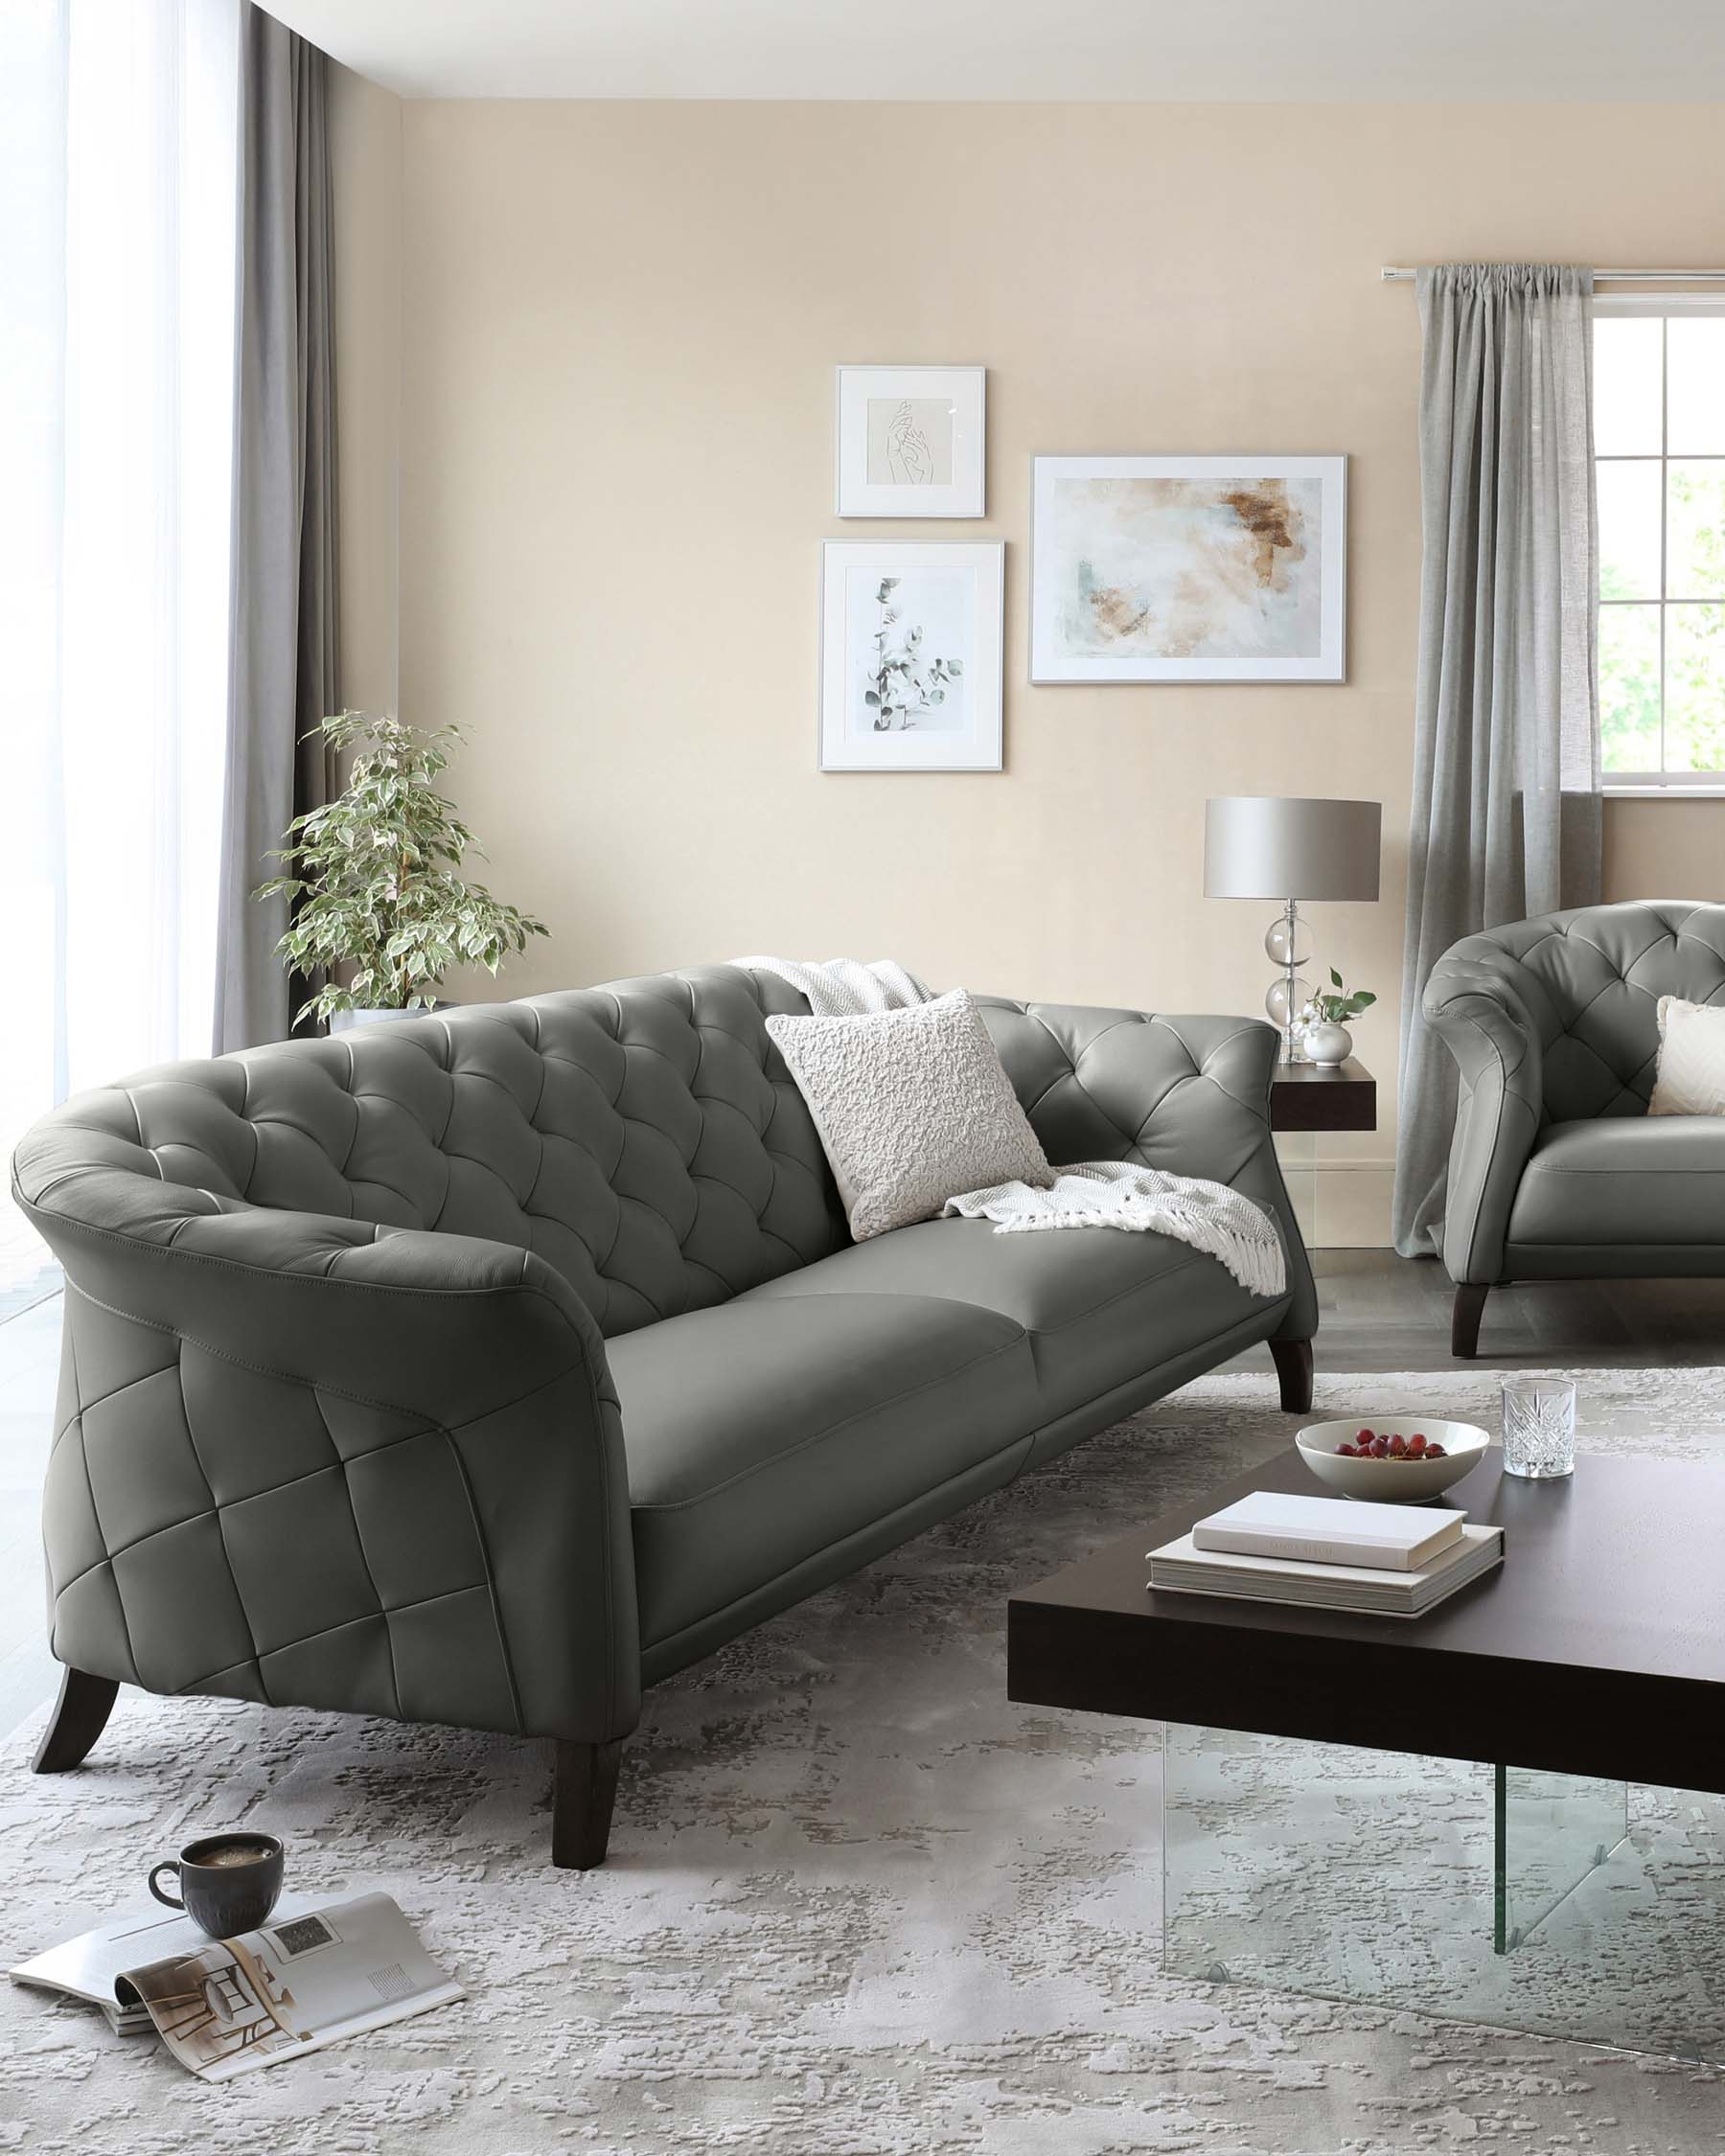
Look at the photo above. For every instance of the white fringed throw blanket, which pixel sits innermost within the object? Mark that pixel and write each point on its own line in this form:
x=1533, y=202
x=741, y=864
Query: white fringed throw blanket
x=846, y=986
x=1206, y=1216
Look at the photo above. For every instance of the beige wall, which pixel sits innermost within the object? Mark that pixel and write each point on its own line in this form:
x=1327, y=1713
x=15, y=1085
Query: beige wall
x=619, y=325
x=1664, y=849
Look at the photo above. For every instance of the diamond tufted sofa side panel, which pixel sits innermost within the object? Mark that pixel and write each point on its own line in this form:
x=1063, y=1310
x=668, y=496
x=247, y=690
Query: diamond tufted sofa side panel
x=1555, y=1020
x=1187, y=1094
x=310, y=1461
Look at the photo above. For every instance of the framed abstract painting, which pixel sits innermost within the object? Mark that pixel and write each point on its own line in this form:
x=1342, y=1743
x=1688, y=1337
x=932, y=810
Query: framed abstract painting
x=910, y=440
x=910, y=655
x=1188, y=570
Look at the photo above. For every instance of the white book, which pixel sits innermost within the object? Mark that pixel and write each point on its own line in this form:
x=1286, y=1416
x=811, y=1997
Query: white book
x=1180, y=1566
x=1330, y=1530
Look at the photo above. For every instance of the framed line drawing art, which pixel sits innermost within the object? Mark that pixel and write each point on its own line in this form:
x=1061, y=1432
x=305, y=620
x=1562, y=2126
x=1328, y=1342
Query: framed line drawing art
x=911, y=655
x=1188, y=569
x=910, y=440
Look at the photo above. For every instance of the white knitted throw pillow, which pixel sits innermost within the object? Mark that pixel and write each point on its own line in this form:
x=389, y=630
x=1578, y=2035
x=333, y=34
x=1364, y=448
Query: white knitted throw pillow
x=913, y=1106
x=1690, y=1077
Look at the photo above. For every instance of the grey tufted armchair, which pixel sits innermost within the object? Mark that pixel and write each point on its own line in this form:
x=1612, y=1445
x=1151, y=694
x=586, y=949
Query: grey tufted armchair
x=485, y=1368
x=1557, y=1170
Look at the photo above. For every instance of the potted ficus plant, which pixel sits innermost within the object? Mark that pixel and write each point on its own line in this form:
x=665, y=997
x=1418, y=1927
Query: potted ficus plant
x=381, y=910
x=1327, y=1039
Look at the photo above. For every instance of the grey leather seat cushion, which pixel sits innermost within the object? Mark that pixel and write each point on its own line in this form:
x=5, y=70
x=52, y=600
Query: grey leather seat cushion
x=763, y=1433
x=1656, y=1180
x=1101, y=1306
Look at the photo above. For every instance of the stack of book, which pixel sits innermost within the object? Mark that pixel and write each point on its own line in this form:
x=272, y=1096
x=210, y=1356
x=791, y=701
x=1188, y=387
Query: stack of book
x=1328, y=1554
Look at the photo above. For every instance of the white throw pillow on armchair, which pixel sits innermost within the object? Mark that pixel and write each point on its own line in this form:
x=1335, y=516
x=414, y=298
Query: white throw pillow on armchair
x=914, y=1106
x=1690, y=1077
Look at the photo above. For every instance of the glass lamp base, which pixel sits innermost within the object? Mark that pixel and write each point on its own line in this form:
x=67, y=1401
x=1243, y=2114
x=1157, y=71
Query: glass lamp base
x=1288, y=941
x=1284, y=1002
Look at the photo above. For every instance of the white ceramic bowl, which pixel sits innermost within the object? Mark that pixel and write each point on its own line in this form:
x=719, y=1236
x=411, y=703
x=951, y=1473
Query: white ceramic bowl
x=1391, y=1481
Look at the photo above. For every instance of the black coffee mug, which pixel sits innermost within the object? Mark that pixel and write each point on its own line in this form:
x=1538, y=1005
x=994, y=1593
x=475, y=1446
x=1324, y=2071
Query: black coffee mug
x=229, y=1883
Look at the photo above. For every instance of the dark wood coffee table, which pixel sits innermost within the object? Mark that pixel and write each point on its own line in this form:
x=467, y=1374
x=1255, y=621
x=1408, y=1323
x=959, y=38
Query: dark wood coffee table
x=1434, y=1813
x=1598, y=1647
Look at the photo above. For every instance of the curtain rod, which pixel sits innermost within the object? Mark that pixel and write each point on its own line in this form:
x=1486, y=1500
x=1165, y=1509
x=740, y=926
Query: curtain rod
x=1601, y=276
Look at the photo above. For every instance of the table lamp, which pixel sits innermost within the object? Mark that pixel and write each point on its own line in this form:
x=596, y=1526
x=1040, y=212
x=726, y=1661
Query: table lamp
x=1266, y=846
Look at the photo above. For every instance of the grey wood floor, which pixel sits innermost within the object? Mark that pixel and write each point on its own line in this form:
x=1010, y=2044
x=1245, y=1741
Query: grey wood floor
x=1378, y=1312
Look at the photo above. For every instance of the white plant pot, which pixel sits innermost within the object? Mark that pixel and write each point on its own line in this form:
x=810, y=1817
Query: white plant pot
x=1328, y=1044
x=344, y=1021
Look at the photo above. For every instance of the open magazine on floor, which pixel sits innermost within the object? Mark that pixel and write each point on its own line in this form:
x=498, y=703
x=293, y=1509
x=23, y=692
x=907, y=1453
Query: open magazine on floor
x=309, y=1977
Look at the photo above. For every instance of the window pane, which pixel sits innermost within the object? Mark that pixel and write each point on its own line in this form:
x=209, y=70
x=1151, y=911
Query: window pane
x=1626, y=386
x=1694, y=531
x=1695, y=688
x=1629, y=530
x=1696, y=385
x=1629, y=688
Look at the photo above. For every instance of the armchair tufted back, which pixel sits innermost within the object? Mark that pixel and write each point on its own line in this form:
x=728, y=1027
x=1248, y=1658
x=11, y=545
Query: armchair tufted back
x=1589, y=983
x=645, y=1138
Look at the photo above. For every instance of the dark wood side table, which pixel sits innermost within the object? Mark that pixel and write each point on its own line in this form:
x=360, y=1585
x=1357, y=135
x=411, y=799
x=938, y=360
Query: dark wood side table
x=1311, y=1096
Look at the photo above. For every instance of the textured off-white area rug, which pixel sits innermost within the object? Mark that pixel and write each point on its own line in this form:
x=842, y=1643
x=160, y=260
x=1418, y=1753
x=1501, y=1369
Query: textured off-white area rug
x=858, y=1904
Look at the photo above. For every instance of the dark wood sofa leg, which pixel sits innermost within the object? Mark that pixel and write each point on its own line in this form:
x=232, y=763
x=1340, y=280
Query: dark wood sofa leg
x=80, y=1716
x=582, y=1796
x=1464, y=1319
x=1294, y=1368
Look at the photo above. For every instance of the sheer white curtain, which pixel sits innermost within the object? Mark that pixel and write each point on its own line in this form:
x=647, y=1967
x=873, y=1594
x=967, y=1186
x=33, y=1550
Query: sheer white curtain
x=118, y=206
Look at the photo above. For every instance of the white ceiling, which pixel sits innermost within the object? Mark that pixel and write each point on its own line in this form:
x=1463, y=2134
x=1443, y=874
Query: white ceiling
x=1257, y=50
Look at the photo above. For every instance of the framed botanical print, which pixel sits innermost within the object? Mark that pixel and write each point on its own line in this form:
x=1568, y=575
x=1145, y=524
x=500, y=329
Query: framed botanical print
x=910, y=655
x=910, y=440
x=1188, y=569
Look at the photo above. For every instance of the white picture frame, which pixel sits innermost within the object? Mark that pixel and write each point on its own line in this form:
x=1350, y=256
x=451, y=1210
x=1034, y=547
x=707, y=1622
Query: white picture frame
x=925, y=618
x=1146, y=569
x=910, y=440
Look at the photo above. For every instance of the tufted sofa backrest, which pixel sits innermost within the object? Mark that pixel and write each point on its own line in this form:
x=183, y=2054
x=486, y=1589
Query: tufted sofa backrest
x=1589, y=982
x=644, y=1138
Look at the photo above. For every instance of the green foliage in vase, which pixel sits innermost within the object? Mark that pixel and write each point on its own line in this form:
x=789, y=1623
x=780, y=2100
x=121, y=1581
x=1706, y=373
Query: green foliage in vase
x=375, y=877
x=1334, y=1005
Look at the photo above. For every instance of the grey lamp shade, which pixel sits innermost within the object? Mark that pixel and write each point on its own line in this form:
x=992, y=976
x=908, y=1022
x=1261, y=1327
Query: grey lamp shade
x=1267, y=846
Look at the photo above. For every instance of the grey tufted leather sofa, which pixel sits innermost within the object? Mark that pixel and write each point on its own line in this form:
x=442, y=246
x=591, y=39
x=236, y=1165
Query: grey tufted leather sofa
x=485, y=1368
x=1557, y=1170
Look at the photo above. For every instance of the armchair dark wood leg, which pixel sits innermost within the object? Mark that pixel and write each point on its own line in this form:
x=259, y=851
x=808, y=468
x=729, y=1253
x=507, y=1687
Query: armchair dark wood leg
x=80, y=1716
x=1464, y=1319
x=583, y=1793
x=1294, y=1368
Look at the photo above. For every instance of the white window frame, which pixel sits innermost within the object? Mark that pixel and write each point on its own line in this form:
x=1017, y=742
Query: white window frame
x=1662, y=785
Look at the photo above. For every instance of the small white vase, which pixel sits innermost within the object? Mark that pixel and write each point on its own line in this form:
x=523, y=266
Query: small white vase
x=1328, y=1044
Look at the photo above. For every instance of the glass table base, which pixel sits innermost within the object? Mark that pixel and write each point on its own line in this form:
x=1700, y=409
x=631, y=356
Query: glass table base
x=1530, y=1901
x=1296, y=1155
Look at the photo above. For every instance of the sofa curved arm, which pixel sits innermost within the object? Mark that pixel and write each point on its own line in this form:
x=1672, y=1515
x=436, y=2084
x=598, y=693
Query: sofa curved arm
x=320, y=1462
x=1190, y=1094
x=1472, y=1004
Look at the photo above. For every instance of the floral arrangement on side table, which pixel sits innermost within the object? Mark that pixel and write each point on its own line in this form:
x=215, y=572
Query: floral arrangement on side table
x=1327, y=1039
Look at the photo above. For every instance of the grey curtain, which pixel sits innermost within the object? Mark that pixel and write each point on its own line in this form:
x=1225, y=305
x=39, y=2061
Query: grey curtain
x=282, y=668
x=1506, y=819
